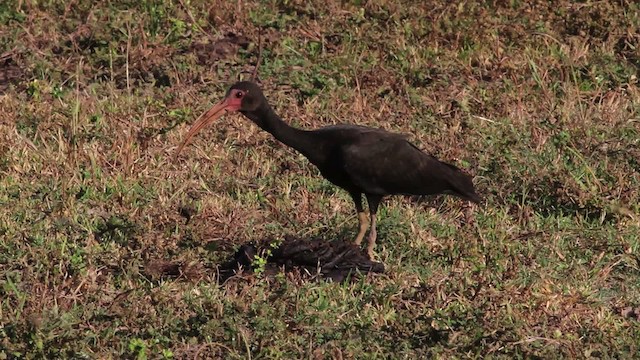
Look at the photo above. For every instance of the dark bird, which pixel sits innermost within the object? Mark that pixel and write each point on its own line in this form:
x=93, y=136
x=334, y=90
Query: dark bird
x=359, y=159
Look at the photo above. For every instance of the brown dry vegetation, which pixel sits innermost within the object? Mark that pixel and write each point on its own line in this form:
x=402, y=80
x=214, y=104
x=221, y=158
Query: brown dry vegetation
x=538, y=100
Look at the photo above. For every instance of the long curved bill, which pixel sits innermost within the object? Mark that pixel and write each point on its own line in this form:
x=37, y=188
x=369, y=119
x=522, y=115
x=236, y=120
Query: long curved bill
x=203, y=121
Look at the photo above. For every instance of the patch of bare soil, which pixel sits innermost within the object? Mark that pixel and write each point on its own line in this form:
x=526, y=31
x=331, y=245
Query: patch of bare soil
x=631, y=313
x=158, y=268
x=226, y=47
x=10, y=72
x=337, y=260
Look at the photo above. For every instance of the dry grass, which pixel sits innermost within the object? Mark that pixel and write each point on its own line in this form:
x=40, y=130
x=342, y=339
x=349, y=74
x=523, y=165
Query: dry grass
x=538, y=100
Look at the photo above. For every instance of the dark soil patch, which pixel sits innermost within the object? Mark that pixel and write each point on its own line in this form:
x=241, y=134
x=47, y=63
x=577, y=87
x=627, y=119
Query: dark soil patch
x=228, y=46
x=159, y=268
x=10, y=72
x=631, y=313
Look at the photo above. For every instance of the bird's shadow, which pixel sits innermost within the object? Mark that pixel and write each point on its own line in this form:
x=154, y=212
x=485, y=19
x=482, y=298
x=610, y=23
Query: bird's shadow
x=337, y=260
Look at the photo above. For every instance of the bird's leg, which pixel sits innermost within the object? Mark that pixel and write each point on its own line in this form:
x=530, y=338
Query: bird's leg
x=364, y=224
x=374, y=201
x=372, y=237
x=362, y=218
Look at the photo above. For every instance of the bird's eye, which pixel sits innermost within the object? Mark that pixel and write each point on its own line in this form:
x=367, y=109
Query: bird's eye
x=239, y=94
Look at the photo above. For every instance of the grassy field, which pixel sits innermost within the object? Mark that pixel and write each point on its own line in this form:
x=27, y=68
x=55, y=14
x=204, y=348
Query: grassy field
x=538, y=100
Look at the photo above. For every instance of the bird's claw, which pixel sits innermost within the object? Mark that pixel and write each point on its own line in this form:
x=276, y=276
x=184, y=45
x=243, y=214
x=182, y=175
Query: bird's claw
x=371, y=254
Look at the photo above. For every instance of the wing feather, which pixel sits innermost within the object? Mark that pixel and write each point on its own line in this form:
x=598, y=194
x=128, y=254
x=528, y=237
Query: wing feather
x=384, y=163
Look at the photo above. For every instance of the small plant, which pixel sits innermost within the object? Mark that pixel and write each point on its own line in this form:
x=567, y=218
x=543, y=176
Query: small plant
x=34, y=89
x=260, y=260
x=138, y=348
x=57, y=91
x=167, y=354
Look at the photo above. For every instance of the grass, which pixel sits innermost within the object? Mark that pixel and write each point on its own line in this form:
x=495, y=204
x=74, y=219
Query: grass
x=539, y=101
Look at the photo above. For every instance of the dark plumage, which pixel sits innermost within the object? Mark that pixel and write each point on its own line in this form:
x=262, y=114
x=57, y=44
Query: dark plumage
x=359, y=159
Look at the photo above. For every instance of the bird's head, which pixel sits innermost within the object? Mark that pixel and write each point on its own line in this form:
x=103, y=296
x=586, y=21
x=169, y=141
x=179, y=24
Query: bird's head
x=244, y=96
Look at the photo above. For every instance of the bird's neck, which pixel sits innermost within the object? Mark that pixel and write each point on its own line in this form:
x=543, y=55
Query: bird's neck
x=269, y=121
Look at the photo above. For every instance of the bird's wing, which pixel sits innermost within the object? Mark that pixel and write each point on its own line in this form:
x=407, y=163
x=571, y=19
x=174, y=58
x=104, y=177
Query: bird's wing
x=384, y=163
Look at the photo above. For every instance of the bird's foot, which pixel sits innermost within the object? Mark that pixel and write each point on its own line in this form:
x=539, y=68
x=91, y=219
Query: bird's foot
x=371, y=254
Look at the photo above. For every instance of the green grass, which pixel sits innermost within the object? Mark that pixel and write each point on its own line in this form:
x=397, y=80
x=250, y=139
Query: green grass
x=538, y=101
